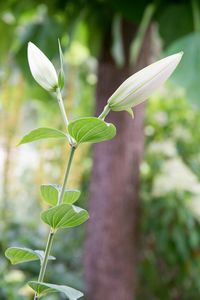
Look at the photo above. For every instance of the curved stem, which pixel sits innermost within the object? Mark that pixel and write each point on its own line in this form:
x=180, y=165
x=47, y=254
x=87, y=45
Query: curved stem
x=105, y=112
x=53, y=232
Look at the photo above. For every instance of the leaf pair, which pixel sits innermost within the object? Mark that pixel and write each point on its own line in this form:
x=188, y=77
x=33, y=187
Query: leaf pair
x=83, y=130
x=50, y=193
x=64, y=215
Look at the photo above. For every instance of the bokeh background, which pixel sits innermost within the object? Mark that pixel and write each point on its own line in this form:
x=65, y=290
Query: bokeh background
x=102, y=37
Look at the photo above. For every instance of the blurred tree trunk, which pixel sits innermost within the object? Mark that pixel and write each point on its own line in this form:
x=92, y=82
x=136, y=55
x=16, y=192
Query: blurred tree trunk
x=112, y=233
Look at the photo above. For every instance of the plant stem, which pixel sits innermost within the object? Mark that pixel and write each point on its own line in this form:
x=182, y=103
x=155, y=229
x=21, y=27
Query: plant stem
x=105, y=112
x=46, y=256
x=62, y=108
x=71, y=155
x=52, y=232
x=64, y=115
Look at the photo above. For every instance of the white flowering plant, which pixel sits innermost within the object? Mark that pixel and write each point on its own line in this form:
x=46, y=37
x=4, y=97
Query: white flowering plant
x=62, y=212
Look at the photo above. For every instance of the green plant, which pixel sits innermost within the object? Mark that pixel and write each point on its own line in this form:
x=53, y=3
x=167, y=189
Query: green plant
x=63, y=213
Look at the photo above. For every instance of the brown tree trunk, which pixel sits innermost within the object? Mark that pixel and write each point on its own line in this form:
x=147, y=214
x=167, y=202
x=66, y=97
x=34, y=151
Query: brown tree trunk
x=111, y=244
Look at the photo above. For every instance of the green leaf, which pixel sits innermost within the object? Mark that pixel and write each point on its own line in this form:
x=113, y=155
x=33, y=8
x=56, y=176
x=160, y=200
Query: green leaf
x=42, y=288
x=64, y=216
x=50, y=193
x=91, y=130
x=42, y=133
x=18, y=255
x=71, y=196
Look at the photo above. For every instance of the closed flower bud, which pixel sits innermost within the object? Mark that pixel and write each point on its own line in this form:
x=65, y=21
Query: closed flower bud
x=142, y=84
x=41, y=68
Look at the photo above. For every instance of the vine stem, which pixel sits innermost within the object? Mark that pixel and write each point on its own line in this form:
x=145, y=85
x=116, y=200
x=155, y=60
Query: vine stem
x=52, y=231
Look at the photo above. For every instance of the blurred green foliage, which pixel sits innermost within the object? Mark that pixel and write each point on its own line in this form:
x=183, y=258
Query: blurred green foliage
x=169, y=265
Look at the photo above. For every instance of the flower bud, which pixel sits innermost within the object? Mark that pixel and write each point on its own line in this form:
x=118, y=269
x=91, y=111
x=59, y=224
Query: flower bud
x=142, y=84
x=41, y=68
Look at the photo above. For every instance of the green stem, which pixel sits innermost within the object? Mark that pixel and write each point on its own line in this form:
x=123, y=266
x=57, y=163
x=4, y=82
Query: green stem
x=46, y=256
x=52, y=232
x=105, y=112
x=64, y=115
x=71, y=155
x=62, y=108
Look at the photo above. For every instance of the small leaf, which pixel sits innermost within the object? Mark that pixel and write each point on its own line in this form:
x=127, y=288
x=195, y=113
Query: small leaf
x=61, y=75
x=71, y=196
x=61, y=79
x=42, y=133
x=42, y=288
x=50, y=193
x=18, y=255
x=91, y=130
x=61, y=56
x=64, y=216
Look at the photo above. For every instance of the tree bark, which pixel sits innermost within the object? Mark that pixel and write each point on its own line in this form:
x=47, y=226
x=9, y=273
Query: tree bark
x=112, y=232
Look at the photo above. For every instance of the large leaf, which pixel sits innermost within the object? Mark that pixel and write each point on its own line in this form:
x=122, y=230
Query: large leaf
x=91, y=130
x=50, y=193
x=64, y=216
x=42, y=133
x=18, y=255
x=187, y=73
x=42, y=288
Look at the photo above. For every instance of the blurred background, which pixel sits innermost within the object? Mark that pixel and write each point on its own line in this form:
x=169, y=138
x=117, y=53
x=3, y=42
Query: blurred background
x=142, y=189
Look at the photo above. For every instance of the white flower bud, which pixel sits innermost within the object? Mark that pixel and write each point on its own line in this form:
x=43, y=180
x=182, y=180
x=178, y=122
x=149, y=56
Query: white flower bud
x=142, y=84
x=41, y=68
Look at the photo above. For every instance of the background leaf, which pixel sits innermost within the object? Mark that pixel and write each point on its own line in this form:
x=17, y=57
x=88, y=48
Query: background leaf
x=187, y=73
x=180, y=24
